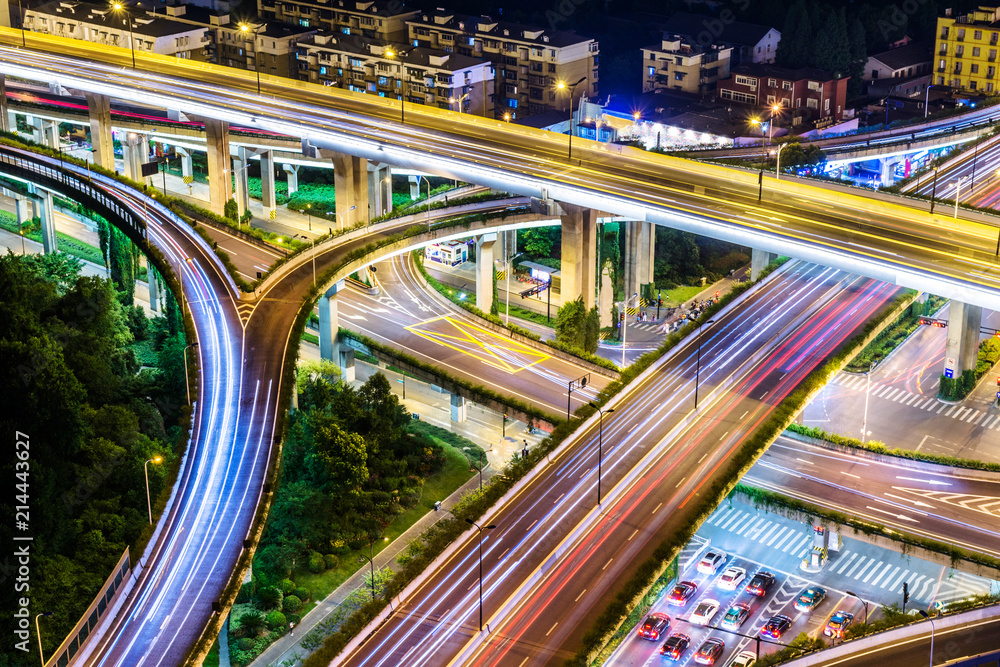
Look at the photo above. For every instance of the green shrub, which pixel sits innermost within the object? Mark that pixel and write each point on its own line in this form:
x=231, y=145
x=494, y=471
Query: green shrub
x=231, y=211
x=287, y=586
x=291, y=604
x=331, y=561
x=303, y=593
x=316, y=562
x=268, y=597
x=251, y=623
x=246, y=592
x=277, y=621
x=246, y=644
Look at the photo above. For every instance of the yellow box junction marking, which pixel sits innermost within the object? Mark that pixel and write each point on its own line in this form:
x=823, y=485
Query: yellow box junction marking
x=489, y=347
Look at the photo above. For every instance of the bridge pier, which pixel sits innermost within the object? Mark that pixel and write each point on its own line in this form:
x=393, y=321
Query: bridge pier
x=292, y=172
x=458, y=411
x=759, y=259
x=579, y=254
x=414, y=187
x=267, y=194
x=485, y=267
x=350, y=182
x=135, y=151
x=347, y=372
x=23, y=209
x=379, y=190
x=154, y=287
x=887, y=169
x=5, y=119
x=46, y=212
x=962, y=348
x=219, y=186
x=100, y=130
x=187, y=164
x=50, y=134
x=241, y=185
x=640, y=240
x=329, y=321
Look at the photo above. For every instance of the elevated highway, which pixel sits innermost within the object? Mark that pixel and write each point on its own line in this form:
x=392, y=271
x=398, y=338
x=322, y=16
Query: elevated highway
x=889, y=241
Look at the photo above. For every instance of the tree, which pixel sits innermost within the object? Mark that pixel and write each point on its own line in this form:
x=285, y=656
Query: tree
x=59, y=268
x=795, y=47
x=578, y=327
x=343, y=453
x=541, y=241
x=859, y=57
x=231, y=210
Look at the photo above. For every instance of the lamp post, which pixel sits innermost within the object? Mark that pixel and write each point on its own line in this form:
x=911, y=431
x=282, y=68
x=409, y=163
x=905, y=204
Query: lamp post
x=934, y=188
x=927, y=93
x=119, y=7
x=777, y=164
x=187, y=382
x=452, y=100
x=340, y=216
x=922, y=613
x=562, y=86
x=20, y=13
x=389, y=53
x=38, y=633
x=697, y=370
x=865, y=603
x=145, y=472
x=247, y=30
x=868, y=391
x=625, y=323
x=508, y=264
x=770, y=125
x=480, y=528
x=600, y=445
x=958, y=190
x=371, y=561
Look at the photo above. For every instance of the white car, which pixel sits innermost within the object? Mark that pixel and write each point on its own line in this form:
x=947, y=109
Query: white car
x=732, y=578
x=712, y=561
x=704, y=612
x=744, y=659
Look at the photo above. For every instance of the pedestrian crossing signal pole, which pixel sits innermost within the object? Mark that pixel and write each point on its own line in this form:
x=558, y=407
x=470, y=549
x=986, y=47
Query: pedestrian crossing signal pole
x=906, y=595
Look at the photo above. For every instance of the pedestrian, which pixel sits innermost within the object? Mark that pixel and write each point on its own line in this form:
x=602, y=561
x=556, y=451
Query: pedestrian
x=290, y=626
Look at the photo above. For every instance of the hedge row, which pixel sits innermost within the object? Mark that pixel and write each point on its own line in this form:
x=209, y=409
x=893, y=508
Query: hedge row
x=877, y=447
x=597, y=639
x=892, y=336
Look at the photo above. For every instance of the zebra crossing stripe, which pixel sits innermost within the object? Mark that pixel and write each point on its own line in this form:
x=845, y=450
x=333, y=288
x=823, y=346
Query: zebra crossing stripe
x=747, y=525
x=913, y=397
x=870, y=571
x=861, y=560
x=784, y=539
x=943, y=406
x=882, y=574
x=847, y=562
x=725, y=526
x=721, y=516
x=895, y=584
x=776, y=535
x=795, y=545
x=950, y=410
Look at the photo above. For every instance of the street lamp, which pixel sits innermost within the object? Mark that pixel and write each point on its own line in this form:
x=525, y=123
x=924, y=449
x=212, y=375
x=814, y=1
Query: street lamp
x=506, y=116
x=625, y=323
x=389, y=53
x=600, y=446
x=119, y=7
x=958, y=190
x=341, y=217
x=865, y=603
x=927, y=93
x=371, y=561
x=922, y=613
x=187, y=382
x=307, y=239
x=777, y=164
x=770, y=125
x=38, y=633
x=247, y=29
x=145, y=471
x=452, y=100
x=868, y=391
x=508, y=267
x=562, y=86
x=480, y=528
x=697, y=371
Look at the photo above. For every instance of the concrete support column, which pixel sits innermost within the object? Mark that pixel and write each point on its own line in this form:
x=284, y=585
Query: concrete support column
x=48, y=215
x=350, y=182
x=154, y=287
x=887, y=170
x=292, y=172
x=22, y=208
x=414, y=188
x=219, y=186
x=135, y=152
x=267, y=184
x=11, y=117
x=241, y=186
x=347, y=372
x=187, y=164
x=962, y=349
x=4, y=118
x=329, y=322
x=759, y=259
x=649, y=252
x=50, y=134
x=485, y=268
x=579, y=255
x=607, y=297
x=100, y=130
x=458, y=412
x=379, y=190
x=633, y=236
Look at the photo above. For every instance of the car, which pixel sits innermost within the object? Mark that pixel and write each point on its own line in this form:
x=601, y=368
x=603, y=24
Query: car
x=704, y=612
x=736, y=616
x=810, y=598
x=710, y=651
x=776, y=626
x=712, y=561
x=760, y=584
x=675, y=647
x=838, y=624
x=731, y=578
x=743, y=659
x=654, y=626
x=682, y=592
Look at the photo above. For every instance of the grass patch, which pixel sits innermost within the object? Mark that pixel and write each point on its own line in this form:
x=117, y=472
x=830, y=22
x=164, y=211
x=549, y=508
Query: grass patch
x=310, y=338
x=528, y=315
x=680, y=294
x=443, y=436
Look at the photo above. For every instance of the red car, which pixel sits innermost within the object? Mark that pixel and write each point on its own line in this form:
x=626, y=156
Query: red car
x=682, y=592
x=654, y=626
x=710, y=651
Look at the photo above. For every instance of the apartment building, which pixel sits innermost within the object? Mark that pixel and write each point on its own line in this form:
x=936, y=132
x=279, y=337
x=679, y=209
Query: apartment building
x=751, y=43
x=803, y=94
x=418, y=74
x=966, y=50
x=383, y=20
x=901, y=71
x=100, y=24
x=529, y=62
x=680, y=64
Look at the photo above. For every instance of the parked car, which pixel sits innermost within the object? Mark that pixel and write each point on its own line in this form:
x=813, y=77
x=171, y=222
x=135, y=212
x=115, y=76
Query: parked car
x=710, y=651
x=675, y=647
x=776, y=626
x=736, y=616
x=654, y=626
x=760, y=584
x=731, y=578
x=704, y=612
x=838, y=624
x=743, y=659
x=810, y=598
x=682, y=592
x=712, y=561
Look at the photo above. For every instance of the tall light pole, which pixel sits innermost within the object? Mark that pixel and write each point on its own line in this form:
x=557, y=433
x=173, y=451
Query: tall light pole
x=508, y=263
x=770, y=125
x=38, y=633
x=341, y=217
x=119, y=7
x=625, y=323
x=452, y=100
x=927, y=93
x=389, y=53
x=697, y=370
x=958, y=191
x=865, y=603
x=480, y=528
x=187, y=382
x=600, y=446
x=145, y=472
x=371, y=561
x=868, y=392
x=922, y=613
x=247, y=30
x=563, y=86
x=777, y=164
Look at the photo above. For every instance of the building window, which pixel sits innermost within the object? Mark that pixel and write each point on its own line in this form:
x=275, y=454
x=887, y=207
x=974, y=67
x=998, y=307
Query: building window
x=826, y=105
x=651, y=71
x=304, y=23
x=977, y=35
x=322, y=70
x=772, y=83
x=989, y=87
x=770, y=100
x=812, y=103
x=679, y=76
x=786, y=85
x=961, y=34
x=975, y=51
x=345, y=30
x=974, y=69
x=972, y=85
x=383, y=81
x=745, y=81
x=737, y=96
x=512, y=103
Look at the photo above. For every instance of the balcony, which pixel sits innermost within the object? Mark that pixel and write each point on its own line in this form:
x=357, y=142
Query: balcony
x=941, y=70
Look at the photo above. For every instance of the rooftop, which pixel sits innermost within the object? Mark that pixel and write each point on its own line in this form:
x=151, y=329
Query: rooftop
x=737, y=32
x=484, y=25
x=682, y=45
x=408, y=55
x=101, y=13
x=763, y=71
x=905, y=56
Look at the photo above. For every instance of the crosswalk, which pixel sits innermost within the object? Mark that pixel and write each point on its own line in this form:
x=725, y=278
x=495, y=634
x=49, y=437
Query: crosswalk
x=791, y=540
x=986, y=418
